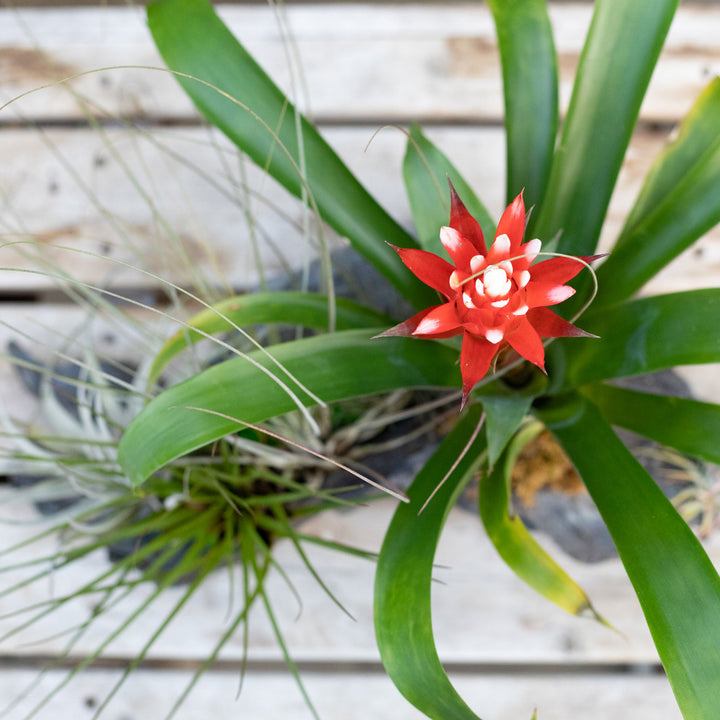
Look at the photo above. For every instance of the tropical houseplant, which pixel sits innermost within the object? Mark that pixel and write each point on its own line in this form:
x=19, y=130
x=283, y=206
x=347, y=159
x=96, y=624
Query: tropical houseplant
x=565, y=385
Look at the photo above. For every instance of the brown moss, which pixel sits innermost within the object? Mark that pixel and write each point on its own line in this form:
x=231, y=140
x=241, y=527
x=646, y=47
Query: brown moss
x=543, y=464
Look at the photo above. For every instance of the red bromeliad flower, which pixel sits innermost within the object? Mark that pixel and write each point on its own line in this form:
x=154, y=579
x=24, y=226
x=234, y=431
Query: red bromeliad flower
x=495, y=298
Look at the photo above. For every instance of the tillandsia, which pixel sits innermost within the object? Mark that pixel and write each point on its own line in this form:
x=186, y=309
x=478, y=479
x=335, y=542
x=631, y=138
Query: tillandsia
x=497, y=298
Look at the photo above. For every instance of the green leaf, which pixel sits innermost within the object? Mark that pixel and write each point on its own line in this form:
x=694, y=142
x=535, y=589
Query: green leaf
x=690, y=426
x=336, y=366
x=505, y=408
x=236, y=95
x=620, y=52
x=504, y=414
x=515, y=544
x=676, y=583
x=403, y=620
x=530, y=84
x=289, y=308
x=641, y=336
x=698, y=131
x=686, y=213
x=426, y=171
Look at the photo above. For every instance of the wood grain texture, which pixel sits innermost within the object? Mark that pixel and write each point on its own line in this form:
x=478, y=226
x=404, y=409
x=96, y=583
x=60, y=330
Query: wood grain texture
x=427, y=62
x=504, y=622
x=172, y=202
x=350, y=696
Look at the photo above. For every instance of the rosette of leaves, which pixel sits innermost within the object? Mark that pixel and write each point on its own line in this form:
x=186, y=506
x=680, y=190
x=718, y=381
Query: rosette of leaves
x=569, y=177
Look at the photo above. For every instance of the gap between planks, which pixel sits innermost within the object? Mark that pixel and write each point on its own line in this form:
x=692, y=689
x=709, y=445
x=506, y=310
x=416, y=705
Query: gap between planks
x=333, y=667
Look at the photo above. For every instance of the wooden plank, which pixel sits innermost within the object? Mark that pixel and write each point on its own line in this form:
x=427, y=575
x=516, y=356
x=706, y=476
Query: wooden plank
x=343, y=696
x=503, y=620
x=171, y=202
x=391, y=63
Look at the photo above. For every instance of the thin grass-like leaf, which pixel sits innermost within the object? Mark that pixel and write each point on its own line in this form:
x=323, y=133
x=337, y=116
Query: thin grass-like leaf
x=202, y=566
x=187, y=563
x=294, y=538
x=292, y=667
x=248, y=549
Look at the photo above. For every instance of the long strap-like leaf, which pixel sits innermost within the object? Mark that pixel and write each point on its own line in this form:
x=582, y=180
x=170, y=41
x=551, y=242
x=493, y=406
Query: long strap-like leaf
x=516, y=546
x=622, y=47
x=283, y=307
x=640, y=336
x=233, y=92
x=676, y=583
x=698, y=131
x=336, y=366
x=679, y=201
x=690, y=426
x=530, y=86
x=403, y=620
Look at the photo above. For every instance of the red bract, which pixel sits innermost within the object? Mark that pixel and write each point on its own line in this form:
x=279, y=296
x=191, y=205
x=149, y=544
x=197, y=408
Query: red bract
x=495, y=298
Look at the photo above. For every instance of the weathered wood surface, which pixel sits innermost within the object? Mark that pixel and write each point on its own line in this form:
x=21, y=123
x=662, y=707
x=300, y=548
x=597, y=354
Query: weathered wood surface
x=189, y=208
x=63, y=184
x=435, y=62
x=388, y=65
x=340, y=695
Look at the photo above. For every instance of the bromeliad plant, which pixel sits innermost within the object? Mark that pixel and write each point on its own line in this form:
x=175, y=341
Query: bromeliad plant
x=494, y=298
x=497, y=299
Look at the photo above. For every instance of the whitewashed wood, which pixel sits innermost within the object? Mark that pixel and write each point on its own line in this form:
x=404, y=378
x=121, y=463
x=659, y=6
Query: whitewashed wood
x=502, y=620
x=388, y=62
x=183, y=229
x=342, y=696
x=43, y=197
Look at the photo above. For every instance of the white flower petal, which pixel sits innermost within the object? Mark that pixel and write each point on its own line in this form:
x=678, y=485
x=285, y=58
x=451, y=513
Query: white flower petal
x=450, y=238
x=427, y=325
x=532, y=248
x=496, y=282
x=455, y=280
x=477, y=263
x=502, y=244
x=494, y=335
